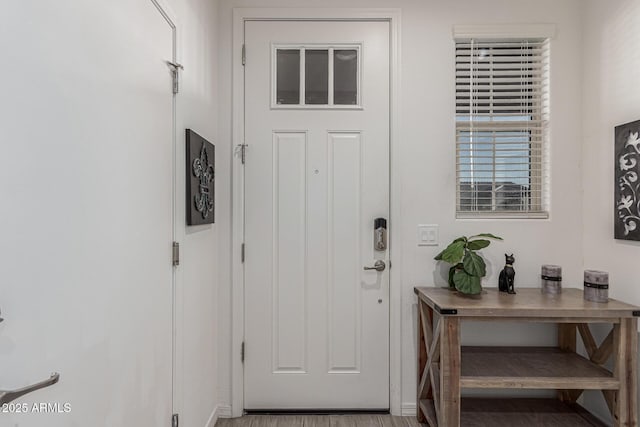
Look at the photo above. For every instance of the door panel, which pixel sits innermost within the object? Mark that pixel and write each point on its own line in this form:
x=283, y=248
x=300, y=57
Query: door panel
x=316, y=177
x=86, y=179
x=345, y=261
x=289, y=260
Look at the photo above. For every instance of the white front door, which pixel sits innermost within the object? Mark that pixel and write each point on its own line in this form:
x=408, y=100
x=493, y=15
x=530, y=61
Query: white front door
x=316, y=178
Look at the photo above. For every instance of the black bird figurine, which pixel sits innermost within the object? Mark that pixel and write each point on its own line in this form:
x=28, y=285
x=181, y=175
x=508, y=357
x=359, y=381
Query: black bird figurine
x=507, y=275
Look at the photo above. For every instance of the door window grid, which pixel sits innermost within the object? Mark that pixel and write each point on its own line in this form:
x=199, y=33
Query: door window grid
x=291, y=90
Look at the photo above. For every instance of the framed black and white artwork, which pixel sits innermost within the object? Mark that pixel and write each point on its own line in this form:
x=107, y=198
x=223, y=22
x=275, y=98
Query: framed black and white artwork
x=627, y=181
x=200, y=180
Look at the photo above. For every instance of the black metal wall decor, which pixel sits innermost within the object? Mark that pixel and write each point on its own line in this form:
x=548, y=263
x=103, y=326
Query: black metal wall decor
x=200, y=179
x=627, y=181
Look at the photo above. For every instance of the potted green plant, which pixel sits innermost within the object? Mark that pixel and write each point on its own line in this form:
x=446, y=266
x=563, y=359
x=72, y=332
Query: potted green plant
x=468, y=267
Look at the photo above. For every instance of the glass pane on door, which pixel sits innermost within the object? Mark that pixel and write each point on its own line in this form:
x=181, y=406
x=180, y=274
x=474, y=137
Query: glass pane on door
x=345, y=70
x=288, y=76
x=317, y=77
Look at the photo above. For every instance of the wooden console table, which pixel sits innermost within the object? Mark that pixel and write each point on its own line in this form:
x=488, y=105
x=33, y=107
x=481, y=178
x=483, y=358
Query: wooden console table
x=445, y=367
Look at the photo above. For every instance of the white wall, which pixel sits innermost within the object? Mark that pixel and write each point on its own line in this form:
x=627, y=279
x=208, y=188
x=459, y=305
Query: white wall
x=69, y=305
x=427, y=155
x=197, y=306
x=611, y=96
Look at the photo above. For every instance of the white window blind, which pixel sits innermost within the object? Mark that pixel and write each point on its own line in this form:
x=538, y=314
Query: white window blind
x=502, y=94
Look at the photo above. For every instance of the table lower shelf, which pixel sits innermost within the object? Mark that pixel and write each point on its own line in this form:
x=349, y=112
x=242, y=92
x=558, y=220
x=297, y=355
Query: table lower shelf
x=532, y=368
x=491, y=412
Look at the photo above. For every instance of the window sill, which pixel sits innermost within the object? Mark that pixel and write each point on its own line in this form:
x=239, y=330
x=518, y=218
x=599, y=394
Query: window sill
x=502, y=215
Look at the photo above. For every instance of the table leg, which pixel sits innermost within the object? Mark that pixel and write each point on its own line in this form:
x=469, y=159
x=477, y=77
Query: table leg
x=422, y=359
x=450, y=372
x=626, y=370
x=428, y=354
x=567, y=342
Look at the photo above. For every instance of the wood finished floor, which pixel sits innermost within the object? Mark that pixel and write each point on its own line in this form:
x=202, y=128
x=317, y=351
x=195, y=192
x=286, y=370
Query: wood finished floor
x=319, y=421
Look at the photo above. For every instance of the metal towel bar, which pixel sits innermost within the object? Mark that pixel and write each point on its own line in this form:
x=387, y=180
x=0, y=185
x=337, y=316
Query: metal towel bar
x=7, y=396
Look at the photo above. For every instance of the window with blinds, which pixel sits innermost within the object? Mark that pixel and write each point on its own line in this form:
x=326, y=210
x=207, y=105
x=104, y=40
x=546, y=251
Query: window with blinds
x=501, y=127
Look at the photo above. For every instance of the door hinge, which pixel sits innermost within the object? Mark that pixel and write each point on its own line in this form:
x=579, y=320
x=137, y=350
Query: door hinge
x=244, y=55
x=241, y=151
x=175, y=75
x=242, y=352
x=175, y=255
x=175, y=421
x=176, y=83
x=242, y=253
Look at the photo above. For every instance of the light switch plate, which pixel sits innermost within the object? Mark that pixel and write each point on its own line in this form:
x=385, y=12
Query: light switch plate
x=428, y=235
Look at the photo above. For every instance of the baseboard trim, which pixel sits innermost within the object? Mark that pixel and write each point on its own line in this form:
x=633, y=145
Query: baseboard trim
x=315, y=411
x=214, y=417
x=408, y=410
x=224, y=411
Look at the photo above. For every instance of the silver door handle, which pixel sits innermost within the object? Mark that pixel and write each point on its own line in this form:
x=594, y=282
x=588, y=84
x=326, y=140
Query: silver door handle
x=378, y=266
x=7, y=396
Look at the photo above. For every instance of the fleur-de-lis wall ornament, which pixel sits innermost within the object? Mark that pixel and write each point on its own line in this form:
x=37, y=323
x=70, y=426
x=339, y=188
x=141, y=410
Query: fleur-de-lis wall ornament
x=204, y=171
x=200, y=179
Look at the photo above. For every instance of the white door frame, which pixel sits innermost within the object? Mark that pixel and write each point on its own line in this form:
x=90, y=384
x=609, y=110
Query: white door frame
x=240, y=16
x=177, y=232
